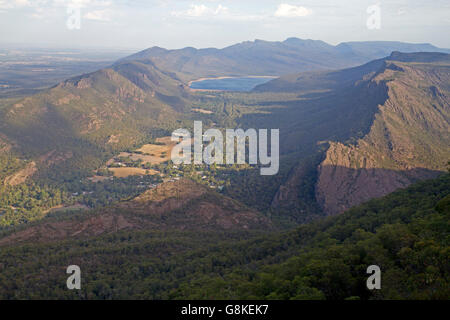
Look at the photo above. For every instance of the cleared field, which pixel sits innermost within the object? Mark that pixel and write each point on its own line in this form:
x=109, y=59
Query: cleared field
x=154, y=153
x=149, y=153
x=125, y=172
x=150, y=159
x=202, y=111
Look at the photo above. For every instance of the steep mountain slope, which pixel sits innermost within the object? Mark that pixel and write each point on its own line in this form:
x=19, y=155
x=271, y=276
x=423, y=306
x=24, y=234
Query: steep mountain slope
x=80, y=119
x=316, y=81
x=271, y=58
x=396, y=109
x=408, y=140
x=404, y=233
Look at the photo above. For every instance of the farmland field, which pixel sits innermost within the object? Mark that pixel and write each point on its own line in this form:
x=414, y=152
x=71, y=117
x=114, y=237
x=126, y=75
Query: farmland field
x=125, y=172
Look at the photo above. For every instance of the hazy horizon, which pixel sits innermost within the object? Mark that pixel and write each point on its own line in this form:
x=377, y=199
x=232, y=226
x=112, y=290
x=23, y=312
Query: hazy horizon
x=134, y=49
x=136, y=25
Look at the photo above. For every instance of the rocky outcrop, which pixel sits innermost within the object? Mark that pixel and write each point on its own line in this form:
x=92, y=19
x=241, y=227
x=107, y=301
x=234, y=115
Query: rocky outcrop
x=60, y=230
x=409, y=139
x=189, y=205
x=177, y=205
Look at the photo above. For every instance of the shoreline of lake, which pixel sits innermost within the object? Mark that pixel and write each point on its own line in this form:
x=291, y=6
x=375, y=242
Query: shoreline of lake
x=222, y=78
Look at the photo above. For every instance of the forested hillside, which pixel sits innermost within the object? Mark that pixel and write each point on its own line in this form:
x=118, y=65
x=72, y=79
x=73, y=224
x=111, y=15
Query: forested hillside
x=405, y=234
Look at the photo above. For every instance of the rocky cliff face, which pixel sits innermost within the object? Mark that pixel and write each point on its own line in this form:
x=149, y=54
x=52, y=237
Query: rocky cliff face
x=409, y=138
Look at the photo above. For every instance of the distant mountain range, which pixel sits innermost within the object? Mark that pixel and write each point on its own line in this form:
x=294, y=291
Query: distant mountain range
x=272, y=57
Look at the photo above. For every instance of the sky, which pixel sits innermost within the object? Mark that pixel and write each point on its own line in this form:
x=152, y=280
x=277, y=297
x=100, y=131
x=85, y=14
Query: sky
x=139, y=24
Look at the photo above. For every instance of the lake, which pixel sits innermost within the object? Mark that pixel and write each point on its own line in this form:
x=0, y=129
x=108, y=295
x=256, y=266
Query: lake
x=229, y=83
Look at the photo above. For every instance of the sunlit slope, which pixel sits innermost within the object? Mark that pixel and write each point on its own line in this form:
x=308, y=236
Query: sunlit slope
x=83, y=117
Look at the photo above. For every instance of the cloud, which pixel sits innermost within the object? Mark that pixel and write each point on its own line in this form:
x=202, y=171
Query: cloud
x=98, y=15
x=201, y=10
x=10, y=4
x=4, y=4
x=82, y=3
x=21, y=3
x=289, y=11
x=41, y=9
x=220, y=13
x=401, y=11
x=18, y=4
x=39, y=13
x=31, y=8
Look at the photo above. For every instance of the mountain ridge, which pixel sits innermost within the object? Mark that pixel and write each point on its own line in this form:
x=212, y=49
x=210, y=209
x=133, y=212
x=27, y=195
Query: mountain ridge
x=182, y=205
x=274, y=58
x=407, y=140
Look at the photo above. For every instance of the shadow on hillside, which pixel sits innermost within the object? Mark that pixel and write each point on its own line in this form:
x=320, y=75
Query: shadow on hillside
x=338, y=188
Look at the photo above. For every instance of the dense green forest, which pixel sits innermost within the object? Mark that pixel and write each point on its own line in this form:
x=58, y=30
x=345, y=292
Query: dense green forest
x=29, y=202
x=405, y=233
x=8, y=164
